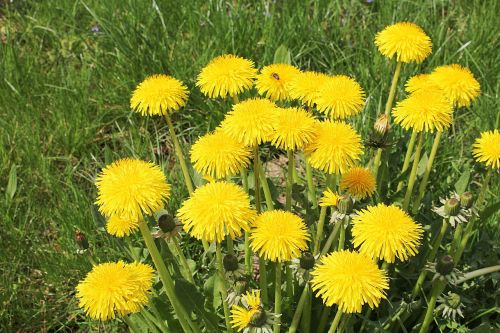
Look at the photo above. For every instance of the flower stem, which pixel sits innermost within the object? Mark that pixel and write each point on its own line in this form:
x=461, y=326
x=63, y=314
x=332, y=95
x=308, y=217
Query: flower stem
x=248, y=250
x=183, y=261
x=168, y=284
x=457, y=236
x=310, y=185
x=413, y=174
x=289, y=181
x=277, y=299
x=305, y=323
x=319, y=232
x=331, y=238
x=265, y=188
x=263, y=280
x=477, y=273
x=425, y=179
x=336, y=321
x=342, y=235
x=409, y=151
x=437, y=288
x=256, y=171
x=323, y=319
x=223, y=291
x=298, y=310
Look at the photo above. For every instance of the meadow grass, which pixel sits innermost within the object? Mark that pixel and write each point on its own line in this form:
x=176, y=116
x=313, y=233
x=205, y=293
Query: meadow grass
x=67, y=72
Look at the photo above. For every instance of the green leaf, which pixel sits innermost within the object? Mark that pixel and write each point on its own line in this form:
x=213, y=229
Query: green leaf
x=192, y=299
x=463, y=181
x=11, y=189
x=212, y=288
x=166, y=313
x=490, y=210
x=422, y=164
x=282, y=55
x=99, y=220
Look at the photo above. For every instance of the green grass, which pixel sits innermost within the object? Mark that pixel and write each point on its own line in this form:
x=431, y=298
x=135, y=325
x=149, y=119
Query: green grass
x=64, y=110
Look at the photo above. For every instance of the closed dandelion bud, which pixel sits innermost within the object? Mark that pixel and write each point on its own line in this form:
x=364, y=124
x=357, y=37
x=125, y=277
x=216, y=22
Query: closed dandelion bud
x=454, y=300
x=307, y=260
x=345, y=204
x=445, y=265
x=259, y=318
x=166, y=223
x=81, y=240
x=452, y=207
x=230, y=262
x=382, y=126
x=466, y=200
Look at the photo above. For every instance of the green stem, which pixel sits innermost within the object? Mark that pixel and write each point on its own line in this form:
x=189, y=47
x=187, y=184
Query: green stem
x=183, y=261
x=323, y=319
x=277, y=299
x=331, y=238
x=409, y=151
x=310, y=185
x=367, y=319
x=289, y=181
x=289, y=287
x=477, y=273
x=223, y=291
x=342, y=235
x=298, y=310
x=263, y=281
x=248, y=250
x=168, y=284
x=256, y=171
x=305, y=323
x=131, y=325
x=336, y=321
x=413, y=174
x=244, y=179
x=457, y=236
x=319, y=231
x=430, y=257
x=265, y=187
x=428, y=168
x=230, y=245
x=437, y=288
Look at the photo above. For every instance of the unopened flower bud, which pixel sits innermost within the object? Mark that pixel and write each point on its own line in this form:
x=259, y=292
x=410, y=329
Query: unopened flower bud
x=345, y=204
x=259, y=318
x=307, y=260
x=230, y=262
x=466, y=200
x=382, y=126
x=444, y=265
x=81, y=240
x=452, y=207
x=166, y=223
x=453, y=300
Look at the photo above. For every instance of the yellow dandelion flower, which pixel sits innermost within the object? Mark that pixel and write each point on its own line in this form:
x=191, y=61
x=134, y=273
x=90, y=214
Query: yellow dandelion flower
x=305, y=86
x=251, y=121
x=457, y=82
x=115, y=288
x=241, y=317
x=486, y=149
x=226, y=75
x=417, y=82
x=359, y=182
x=218, y=155
x=294, y=128
x=336, y=147
x=274, y=80
x=130, y=187
x=215, y=210
x=386, y=232
x=350, y=280
x=278, y=235
x=158, y=95
x=405, y=40
x=340, y=97
x=121, y=227
x=424, y=110
x=329, y=198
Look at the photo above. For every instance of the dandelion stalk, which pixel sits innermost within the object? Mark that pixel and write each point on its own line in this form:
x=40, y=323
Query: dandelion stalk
x=388, y=106
x=342, y=236
x=322, y=216
x=437, y=288
x=310, y=185
x=183, y=261
x=265, y=187
x=409, y=151
x=298, y=310
x=331, y=238
x=263, y=280
x=248, y=250
x=413, y=174
x=223, y=291
x=425, y=178
x=289, y=181
x=336, y=321
x=277, y=299
x=323, y=319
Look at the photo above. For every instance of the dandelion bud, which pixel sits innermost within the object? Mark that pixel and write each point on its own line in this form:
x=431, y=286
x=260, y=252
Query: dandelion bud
x=452, y=207
x=307, y=260
x=453, y=300
x=382, y=126
x=259, y=318
x=466, y=200
x=445, y=265
x=345, y=204
x=81, y=240
x=166, y=223
x=230, y=262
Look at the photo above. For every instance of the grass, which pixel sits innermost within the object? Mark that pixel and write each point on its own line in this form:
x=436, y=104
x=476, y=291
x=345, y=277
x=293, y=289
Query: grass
x=64, y=110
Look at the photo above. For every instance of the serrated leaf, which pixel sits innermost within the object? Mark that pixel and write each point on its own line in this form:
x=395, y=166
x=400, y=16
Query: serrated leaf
x=422, y=164
x=282, y=55
x=192, y=299
x=11, y=189
x=212, y=288
x=463, y=181
x=166, y=313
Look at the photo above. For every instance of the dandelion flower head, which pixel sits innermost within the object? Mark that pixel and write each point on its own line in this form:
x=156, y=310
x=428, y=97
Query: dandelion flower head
x=274, y=80
x=458, y=84
x=121, y=227
x=329, y=198
x=486, y=149
x=241, y=316
x=417, y=82
x=305, y=86
x=359, y=182
x=293, y=128
x=340, y=97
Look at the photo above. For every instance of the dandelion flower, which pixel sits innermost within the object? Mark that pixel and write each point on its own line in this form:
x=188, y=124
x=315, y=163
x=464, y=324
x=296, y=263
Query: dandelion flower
x=359, y=182
x=218, y=155
x=305, y=86
x=274, y=80
x=226, y=75
x=215, y=210
x=158, y=95
x=405, y=40
x=424, y=110
x=336, y=147
x=350, y=280
x=457, y=82
x=115, y=288
x=294, y=128
x=386, y=232
x=340, y=97
x=417, y=82
x=329, y=198
x=251, y=121
x=121, y=227
x=278, y=236
x=251, y=317
x=130, y=187
x=486, y=149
